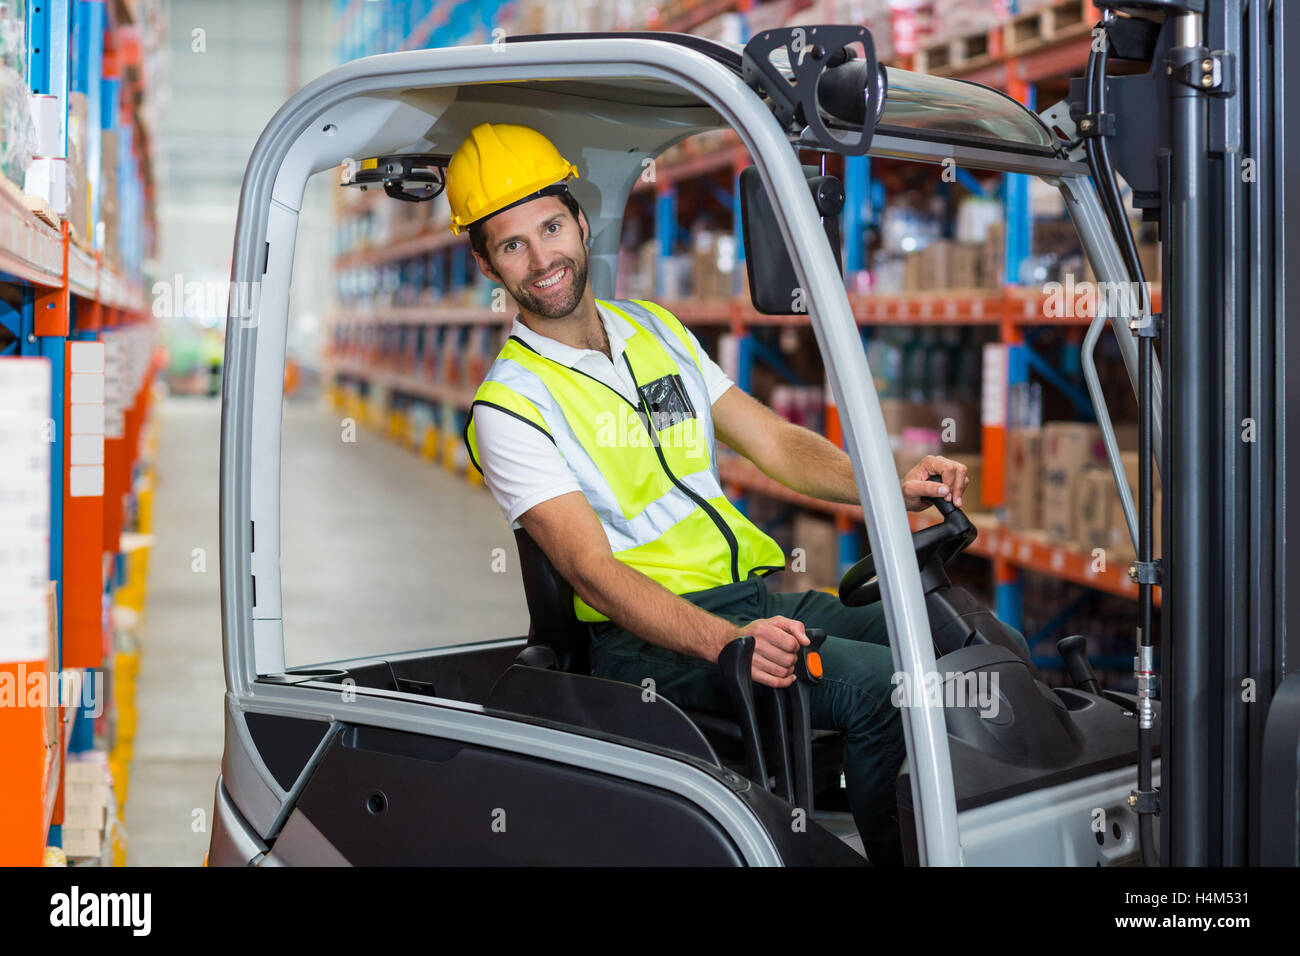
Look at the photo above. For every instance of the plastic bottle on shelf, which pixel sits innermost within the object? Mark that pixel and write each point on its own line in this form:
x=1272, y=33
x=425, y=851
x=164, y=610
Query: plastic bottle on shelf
x=915, y=386
x=938, y=366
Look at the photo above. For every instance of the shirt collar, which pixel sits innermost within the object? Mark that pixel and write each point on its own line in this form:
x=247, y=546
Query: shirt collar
x=617, y=328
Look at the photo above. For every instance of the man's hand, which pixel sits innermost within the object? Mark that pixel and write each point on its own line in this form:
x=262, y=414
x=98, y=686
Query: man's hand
x=917, y=487
x=776, y=646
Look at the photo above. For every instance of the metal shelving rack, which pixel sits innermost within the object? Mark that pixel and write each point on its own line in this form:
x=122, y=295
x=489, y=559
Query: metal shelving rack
x=83, y=316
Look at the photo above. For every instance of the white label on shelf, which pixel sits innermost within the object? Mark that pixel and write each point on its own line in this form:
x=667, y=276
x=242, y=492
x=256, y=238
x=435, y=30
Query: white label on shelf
x=85, y=481
x=115, y=371
x=86, y=387
x=993, y=411
x=86, y=450
x=86, y=357
x=85, y=419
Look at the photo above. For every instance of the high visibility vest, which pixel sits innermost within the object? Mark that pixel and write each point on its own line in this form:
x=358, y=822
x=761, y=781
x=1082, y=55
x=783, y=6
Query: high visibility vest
x=648, y=470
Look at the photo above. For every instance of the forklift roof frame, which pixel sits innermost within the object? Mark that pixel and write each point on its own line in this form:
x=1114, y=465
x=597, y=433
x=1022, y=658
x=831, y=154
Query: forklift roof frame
x=381, y=104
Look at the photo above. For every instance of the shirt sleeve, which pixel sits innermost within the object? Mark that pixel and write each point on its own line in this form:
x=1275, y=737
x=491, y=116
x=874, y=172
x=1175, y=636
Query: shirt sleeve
x=714, y=377
x=521, y=465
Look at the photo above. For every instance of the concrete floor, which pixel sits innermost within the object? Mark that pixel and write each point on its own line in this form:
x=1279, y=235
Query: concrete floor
x=381, y=551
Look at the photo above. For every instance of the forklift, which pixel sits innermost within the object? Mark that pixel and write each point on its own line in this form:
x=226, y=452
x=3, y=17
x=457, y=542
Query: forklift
x=504, y=750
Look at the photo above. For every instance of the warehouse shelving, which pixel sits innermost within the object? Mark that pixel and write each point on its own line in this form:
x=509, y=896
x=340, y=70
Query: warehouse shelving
x=1044, y=46
x=75, y=303
x=1010, y=306
x=1019, y=548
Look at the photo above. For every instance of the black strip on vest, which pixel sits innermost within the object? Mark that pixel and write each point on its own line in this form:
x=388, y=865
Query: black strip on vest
x=501, y=408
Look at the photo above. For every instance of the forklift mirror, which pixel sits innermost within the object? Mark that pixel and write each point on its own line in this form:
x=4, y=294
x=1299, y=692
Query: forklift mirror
x=773, y=285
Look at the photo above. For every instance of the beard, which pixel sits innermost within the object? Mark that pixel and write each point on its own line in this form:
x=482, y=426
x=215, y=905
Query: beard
x=562, y=303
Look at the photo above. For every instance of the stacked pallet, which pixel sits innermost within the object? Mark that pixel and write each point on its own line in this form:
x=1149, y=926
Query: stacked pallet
x=967, y=36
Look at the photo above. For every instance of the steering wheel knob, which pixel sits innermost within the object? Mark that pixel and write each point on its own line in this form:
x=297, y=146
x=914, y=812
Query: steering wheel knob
x=941, y=542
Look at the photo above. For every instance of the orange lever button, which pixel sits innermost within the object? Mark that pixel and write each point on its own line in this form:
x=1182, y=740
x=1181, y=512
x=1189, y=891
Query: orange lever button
x=814, y=664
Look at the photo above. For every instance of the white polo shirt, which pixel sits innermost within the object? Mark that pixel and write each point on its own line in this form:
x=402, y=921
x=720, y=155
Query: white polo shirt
x=521, y=466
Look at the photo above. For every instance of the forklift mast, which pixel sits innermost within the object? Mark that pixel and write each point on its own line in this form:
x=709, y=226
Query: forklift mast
x=1203, y=140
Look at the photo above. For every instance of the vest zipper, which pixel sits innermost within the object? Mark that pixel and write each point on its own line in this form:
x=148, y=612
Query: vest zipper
x=708, y=508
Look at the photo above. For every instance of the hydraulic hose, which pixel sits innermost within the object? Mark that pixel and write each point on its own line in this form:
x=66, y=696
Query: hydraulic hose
x=1102, y=171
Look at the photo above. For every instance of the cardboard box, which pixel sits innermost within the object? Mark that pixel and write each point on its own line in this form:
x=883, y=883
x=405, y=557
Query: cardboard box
x=87, y=816
x=641, y=284
x=1120, y=542
x=972, y=499
x=900, y=413
x=81, y=843
x=916, y=442
x=78, y=181
x=1094, y=498
x=992, y=257
x=1068, y=447
x=1023, y=498
x=964, y=264
x=936, y=265
x=90, y=767
x=1149, y=259
x=964, y=419
x=817, y=538
x=912, y=272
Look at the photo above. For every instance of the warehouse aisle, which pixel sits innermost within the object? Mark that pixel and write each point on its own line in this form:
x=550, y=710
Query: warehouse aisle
x=381, y=551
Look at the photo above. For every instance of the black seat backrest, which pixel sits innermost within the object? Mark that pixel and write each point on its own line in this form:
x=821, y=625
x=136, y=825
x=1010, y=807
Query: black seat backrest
x=550, y=607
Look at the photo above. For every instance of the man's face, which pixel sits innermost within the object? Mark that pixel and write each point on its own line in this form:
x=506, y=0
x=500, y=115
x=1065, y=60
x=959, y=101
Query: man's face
x=537, y=252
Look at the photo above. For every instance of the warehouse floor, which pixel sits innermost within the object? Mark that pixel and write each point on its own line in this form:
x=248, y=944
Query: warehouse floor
x=381, y=550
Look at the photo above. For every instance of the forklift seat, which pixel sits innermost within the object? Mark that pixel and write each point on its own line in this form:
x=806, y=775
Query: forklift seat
x=552, y=621
x=554, y=625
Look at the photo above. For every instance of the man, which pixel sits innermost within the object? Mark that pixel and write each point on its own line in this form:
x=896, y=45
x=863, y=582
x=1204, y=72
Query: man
x=594, y=430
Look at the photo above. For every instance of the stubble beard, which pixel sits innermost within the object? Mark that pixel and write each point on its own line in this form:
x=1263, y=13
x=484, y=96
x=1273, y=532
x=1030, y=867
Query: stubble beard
x=559, y=308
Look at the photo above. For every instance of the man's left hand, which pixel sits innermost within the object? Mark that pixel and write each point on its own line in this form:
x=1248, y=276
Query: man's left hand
x=917, y=488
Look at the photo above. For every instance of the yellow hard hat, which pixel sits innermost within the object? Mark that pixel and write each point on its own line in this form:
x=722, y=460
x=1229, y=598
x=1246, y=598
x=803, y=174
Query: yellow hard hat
x=498, y=165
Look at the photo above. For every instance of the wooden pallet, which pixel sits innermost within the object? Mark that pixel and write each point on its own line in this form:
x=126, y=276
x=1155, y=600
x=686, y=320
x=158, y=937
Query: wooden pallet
x=33, y=204
x=1052, y=24
x=41, y=210
x=1022, y=34
x=968, y=52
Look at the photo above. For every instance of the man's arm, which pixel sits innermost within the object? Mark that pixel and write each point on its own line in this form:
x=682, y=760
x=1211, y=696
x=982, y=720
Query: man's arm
x=808, y=463
x=570, y=533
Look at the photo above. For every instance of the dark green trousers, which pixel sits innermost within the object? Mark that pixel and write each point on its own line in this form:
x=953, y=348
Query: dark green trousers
x=853, y=695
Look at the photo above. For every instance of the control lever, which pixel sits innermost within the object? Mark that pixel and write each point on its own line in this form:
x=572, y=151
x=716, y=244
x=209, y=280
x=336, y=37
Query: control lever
x=807, y=671
x=736, y=664
x=1074, y=651
x=780, y=724
x=945, y=506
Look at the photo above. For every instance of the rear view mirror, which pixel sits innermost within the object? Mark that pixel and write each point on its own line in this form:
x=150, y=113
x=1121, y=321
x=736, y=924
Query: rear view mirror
x=773, y=286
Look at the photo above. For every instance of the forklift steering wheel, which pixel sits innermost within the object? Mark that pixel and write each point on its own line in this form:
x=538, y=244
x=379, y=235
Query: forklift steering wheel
x=938, y=543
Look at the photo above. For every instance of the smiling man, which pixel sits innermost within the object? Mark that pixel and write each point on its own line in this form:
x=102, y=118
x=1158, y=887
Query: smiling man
x=665, y=570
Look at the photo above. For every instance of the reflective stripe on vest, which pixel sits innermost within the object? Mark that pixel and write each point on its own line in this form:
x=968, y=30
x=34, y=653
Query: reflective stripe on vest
x=659, y=499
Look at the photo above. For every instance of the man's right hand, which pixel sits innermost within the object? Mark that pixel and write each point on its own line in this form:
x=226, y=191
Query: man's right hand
x=776, y=646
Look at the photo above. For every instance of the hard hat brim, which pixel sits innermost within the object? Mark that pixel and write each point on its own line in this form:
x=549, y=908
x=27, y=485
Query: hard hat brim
x=553, y=189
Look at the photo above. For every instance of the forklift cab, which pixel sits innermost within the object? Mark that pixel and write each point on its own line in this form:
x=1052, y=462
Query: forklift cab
x=504, y=749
